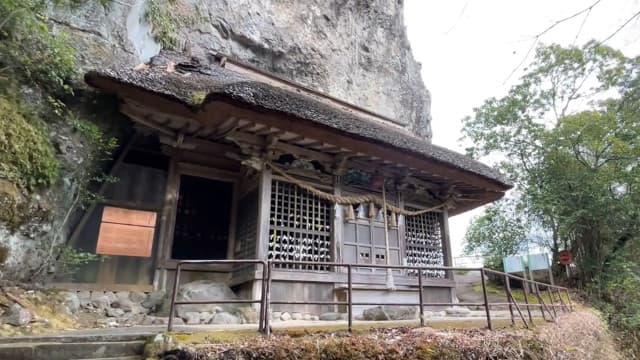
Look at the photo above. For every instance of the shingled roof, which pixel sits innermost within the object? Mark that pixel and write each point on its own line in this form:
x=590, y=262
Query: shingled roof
x=194, y=82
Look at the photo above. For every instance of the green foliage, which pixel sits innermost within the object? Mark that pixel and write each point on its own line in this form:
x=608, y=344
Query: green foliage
x=70, y=259
x=504, y=227
x=102, y=146
x=166, y=17
x=569, y=135
x=617, y=295
x=29, y=51
x=198, y=97
x=27, y=158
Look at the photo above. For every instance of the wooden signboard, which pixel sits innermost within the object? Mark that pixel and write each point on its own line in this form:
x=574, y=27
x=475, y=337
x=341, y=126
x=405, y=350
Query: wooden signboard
x=126, y=232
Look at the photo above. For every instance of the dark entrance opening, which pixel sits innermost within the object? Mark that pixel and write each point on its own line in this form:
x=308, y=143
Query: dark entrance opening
x=202, y=219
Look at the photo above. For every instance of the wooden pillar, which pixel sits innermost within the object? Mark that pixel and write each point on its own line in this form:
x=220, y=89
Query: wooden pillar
x=262, y=235
x=337, y=224
x=264, y=208
x=446, y=240
x=446, y=249
x=167, y=218
x=402, y=239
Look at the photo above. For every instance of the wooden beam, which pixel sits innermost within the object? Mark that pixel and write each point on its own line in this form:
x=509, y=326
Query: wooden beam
x=142, y=118
x=286, y=148
x=210, y=114
x=358, y=144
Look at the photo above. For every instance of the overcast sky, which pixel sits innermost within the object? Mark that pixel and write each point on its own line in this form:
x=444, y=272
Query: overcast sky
x=469, y=48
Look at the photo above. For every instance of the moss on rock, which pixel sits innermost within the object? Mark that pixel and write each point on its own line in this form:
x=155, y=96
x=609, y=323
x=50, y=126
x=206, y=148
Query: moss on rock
x=27, y=157
x=166, y=18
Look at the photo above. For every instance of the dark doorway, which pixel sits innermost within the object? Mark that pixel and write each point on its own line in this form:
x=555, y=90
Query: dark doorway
x=202, y=219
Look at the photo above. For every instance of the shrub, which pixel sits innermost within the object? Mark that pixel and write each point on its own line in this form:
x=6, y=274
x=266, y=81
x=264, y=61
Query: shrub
x=27, y=157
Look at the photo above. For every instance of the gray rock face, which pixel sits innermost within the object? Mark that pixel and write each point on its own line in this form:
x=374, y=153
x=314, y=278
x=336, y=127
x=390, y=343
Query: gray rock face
x=115, y=312
x=100, y=301
x=137, y=297
x=248, y=314
x=71, y=302
x=204, y=290
x=390, y=313
x=375, y=314
x=330, y=316
x=225, y=318
x=206, y=317
x=457, y=311
x=357, y=51
x=154, y=300
x=18, y=316
x=191, y=318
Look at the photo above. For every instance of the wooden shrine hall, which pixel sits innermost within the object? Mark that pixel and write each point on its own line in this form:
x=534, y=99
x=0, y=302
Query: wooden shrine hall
x=231, y=162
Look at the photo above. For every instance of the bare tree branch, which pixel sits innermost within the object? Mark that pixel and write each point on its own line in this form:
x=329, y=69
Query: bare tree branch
x=586, y=16
x=536, y=38
x=620, y=27
x=464, y=8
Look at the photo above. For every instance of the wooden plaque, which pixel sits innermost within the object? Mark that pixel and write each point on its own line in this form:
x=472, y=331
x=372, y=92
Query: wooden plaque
x=126, y=232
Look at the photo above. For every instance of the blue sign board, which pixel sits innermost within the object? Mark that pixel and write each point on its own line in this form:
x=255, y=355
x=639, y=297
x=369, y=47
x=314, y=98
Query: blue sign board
x=513, y=264
x=538, y=262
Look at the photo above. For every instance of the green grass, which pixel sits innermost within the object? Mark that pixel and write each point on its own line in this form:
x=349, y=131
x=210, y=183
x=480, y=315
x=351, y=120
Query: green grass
x=518, y=294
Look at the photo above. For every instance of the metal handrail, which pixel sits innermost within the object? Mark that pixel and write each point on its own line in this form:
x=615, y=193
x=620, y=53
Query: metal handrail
x=176, y=286
x=265, y=297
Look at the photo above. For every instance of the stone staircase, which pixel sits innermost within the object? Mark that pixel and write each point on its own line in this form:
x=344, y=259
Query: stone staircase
x=74, y=346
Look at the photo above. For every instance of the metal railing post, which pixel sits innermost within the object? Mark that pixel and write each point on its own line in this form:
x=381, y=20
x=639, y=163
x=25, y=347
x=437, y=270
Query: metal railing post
x=486, y=299
x=525, y=285
x=562, y=303
x=507, y=286
x=553, y=301
x=543, y=305
x=267, y=301
x=267, y=277
x=569, y=300
x=515, y=303
x=174, y=294
x=350, y=297
x=263, y=296
x=420, y=297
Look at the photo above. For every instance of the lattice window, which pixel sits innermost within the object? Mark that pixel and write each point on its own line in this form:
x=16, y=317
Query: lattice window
x=300, y=227
x=424, y=243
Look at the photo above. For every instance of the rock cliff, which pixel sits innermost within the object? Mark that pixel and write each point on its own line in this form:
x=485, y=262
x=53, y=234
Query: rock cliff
x=355, y=50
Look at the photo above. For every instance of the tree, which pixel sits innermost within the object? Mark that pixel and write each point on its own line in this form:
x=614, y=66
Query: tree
x=504, y=227
x=568, y=136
